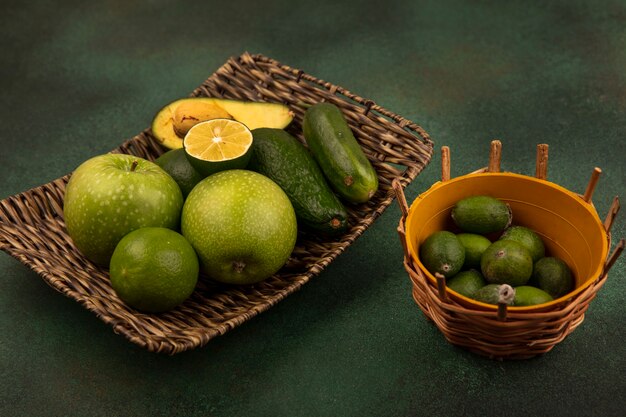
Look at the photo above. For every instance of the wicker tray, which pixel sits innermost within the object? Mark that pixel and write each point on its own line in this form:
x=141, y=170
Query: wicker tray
x=32, y=228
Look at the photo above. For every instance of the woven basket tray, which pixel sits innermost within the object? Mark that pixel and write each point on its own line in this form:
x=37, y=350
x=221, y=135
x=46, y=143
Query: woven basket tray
x=32, y=228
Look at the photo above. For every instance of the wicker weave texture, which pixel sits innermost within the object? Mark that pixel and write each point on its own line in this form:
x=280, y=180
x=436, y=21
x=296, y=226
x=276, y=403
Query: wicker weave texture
x=519, y=336
x=33, y=231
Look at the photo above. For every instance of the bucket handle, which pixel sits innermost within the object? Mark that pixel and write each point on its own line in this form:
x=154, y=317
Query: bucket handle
x=396, y=184
x=610, y=216
x=608, y=223
x=591, y=186
x=619, y=248
x=495, y=158
x=541, y=161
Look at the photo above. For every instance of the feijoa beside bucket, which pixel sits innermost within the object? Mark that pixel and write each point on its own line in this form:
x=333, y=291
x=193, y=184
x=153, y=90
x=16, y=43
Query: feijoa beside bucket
x=569, y=227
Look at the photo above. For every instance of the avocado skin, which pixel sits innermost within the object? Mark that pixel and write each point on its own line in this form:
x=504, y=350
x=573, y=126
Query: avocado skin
x=338, y=153
x=281, y=157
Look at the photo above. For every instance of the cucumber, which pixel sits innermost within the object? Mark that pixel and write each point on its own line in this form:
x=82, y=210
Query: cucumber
x=338, y=153
x=281, y=157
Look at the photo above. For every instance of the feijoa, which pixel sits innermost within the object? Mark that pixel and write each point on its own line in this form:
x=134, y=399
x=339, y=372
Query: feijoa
x=481, y=214
x=527, y=295
x=442, y=253
x=490, y=294
x=474, y=246
x=553, y=276
x=506, y=262
x=467, y=282
x=528, y=238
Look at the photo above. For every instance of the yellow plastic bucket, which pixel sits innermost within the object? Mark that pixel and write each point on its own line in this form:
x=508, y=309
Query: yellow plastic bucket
x=569, y=225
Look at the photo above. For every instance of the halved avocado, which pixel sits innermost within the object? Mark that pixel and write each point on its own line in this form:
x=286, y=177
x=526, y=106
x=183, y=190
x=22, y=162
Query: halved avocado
x=253, y=114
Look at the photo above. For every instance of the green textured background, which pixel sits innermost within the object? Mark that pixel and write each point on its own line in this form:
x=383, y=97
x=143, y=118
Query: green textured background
x=76, y=79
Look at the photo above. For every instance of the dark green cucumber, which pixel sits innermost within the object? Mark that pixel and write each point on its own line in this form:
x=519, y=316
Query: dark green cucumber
x=338, y=153
x=279, y=156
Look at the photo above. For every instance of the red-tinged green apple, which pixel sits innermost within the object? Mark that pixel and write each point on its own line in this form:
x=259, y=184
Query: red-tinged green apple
x=110, y=195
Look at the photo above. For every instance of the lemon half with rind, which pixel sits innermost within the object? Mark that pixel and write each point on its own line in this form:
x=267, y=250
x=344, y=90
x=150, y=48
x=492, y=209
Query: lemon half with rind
x=217, y=145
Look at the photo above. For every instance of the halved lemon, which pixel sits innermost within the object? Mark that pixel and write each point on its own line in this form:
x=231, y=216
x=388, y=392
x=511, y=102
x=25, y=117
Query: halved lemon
x=217, y=145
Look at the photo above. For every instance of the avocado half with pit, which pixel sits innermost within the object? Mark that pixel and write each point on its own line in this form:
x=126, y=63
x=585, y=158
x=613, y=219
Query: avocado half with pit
x=172, y=121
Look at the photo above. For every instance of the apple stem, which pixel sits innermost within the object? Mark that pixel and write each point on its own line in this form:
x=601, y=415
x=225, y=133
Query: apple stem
x=134, y=165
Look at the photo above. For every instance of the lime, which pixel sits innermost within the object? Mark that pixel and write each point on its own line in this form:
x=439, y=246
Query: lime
x=217, y=145
x=506, y=262
x=526, y=295
x=553, y=276
x=467, y=282
x=176, y=164
x=442, y=253
x=474, y=246
x=153, y=269
x=528, y=238
x=481, y=214
x=241, y=224
x=491, y=294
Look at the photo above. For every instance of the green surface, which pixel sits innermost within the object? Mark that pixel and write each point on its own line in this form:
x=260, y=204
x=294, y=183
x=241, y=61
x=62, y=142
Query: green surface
x=78, y=78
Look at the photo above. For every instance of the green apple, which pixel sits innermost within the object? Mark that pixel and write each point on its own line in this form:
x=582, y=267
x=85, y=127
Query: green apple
x=110, y=195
